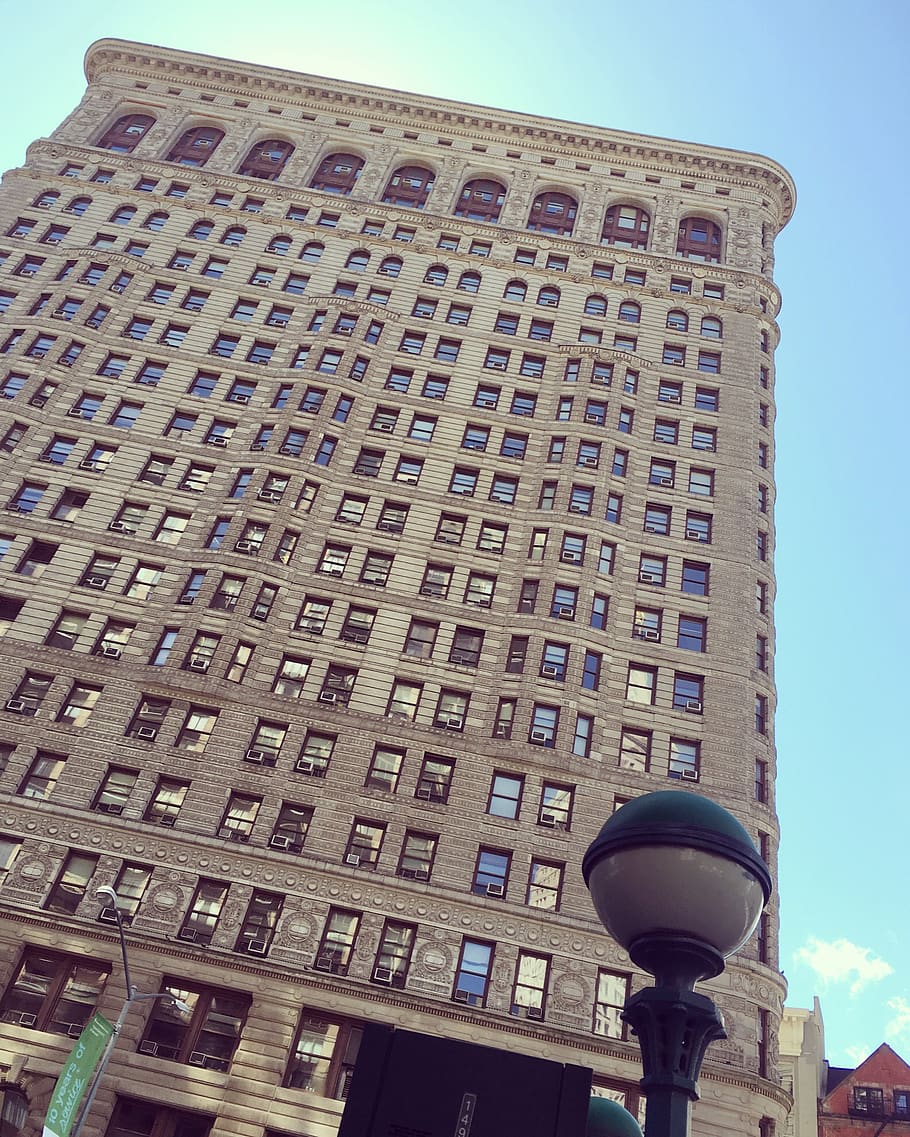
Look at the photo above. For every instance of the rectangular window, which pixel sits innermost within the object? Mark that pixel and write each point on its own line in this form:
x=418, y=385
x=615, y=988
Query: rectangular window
x=473, y=972
x=530, y=987
x=336, y=945
x=198, y=1026
x=324, y=1054
x=417, y=853
x=609, y=1001
x=71, y=884
x=53, y=992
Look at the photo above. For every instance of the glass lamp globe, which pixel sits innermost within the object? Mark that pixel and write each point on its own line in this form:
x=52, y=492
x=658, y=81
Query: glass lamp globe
x=678, y=882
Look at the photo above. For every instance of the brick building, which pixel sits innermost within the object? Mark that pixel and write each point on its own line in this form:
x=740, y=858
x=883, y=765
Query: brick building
x=873, y=1098
x=388, y=492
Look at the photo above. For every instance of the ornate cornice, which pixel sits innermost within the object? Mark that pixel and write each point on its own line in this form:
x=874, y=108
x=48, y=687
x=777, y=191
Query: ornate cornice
x=556, y=138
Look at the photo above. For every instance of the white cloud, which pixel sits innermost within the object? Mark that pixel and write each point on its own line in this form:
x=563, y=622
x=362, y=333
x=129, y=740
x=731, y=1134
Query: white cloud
x=857, y=1054
x=840, y=961
x=899, y=1026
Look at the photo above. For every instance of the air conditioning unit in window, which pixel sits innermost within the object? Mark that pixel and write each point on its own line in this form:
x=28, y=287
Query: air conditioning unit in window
x=570, y=557
x=463, y=996
x=647, y=633
x=96, y=582
x=118, y=527
x=325, y=963
x=549, y=820
x=256, y=947
x=689, y=775
x=199, y=663
x=495, y=365
x=73, y=1029
x=550, y=671
x=592, y=462
x=17, y=706
x=576, y=508
x=654, y=529
x=241, y=399
x=501, y=732
x=693, y=705
x=112, y=807
x=665, y=481
x=594, y=419
x=279, y=841
x=108, y=916
x=190, y=935
x=186, y=599
x=147, y=733
x=535, y=1013
x=328, y=696
x=111, y=651
x=331, y=569
x=87, y=463
x=496, y=890
x=244, y=546
x=382, y=974
x=430, y=590
x=269, y=495
x=217, y=440
x=148, y=1048
x=426, y=793
x=352, y=859
x=699, y=445
x=289, y=451
x=236, y=835
x=696, y=535
x=305, y=766
x=565, y=613
x=649, y=577
x=487, y=404
x=670, y=397
x=539, y=736
x=257, y=756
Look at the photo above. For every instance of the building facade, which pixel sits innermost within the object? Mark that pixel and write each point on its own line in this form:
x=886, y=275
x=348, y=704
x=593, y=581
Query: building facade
x=388, y=491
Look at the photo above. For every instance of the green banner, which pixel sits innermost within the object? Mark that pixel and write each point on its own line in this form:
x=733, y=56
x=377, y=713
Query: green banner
x=75, y=1076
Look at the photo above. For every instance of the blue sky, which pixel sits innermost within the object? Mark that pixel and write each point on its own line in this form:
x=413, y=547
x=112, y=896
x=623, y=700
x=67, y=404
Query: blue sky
x=818, y=87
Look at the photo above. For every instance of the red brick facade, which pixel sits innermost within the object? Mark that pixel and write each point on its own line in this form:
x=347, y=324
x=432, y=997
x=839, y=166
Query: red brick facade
x=871, y=1099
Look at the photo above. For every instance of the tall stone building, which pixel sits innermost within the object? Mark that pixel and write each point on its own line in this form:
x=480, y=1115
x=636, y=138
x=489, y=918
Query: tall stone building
x=387, y=493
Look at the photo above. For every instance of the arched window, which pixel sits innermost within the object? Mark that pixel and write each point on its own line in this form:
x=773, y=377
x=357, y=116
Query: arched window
x=712, y=328
x=409, y=185
x=390, y=266
x=279, y=245
x=312, y=251
x=469, y=281
x=626, y=227
x=596, y=306
x=630, y=312
x=698, y=240
x=358, y=260
x=553, y=213
x=436, y=274
x=126, y=133
x=155, y=222
x=124, y=215
x=233, y=236
x=194, y=147
x=515, y=290
x=201, y=230
x=481, y=200
x=677, y=320
x=46, y=200
x=337, y=173
x=78, y=206
x=266, y=159
x=548, y=297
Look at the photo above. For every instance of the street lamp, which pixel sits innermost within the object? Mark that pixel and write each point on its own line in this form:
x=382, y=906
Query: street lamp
x=132, y=995
x=678, y=882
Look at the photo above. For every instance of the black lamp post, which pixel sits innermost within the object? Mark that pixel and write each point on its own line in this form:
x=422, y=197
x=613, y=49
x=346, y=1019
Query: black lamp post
x=678, y=882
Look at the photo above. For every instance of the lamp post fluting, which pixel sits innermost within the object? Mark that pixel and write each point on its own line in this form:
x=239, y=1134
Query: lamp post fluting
x=678, y=882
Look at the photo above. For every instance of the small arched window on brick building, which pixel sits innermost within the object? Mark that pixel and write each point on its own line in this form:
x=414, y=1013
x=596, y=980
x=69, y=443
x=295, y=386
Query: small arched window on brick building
x=358, y=260
x=712, y=327
x=312, y=251
x=469, y=282
x=548, y=296
x=194, y=147
x=515, y=290
x=699, y=240
x=155, y=222
x=266, y=159
x=436, y=274
x=481, y=200
x=630, y=312
x=337, y=173
x=233, y=236
x=280, y=245
x=626, y=227
x=78, y=206
x=553, y=213
x=409, y=185
x=201, y=230
x=596, y=305
x=126, y=133
x=677, y=320
x=390, y=266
